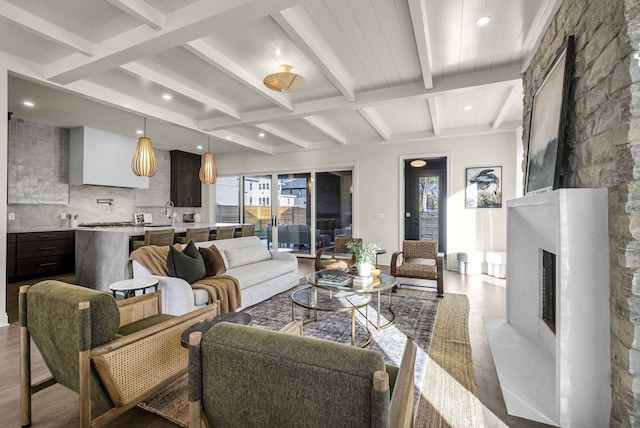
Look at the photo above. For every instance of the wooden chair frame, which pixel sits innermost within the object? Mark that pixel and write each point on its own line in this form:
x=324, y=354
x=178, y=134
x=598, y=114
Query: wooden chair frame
x=157, y=349
x=336, y=248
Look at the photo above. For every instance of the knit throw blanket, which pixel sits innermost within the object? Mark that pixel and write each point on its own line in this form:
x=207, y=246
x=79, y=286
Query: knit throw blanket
x=223, y=288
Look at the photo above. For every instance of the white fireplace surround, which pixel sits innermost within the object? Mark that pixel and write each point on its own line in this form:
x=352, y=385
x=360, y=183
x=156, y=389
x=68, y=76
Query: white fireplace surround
x=560, y=379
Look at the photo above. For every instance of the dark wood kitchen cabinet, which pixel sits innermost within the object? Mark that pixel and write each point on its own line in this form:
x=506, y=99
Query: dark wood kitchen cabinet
x=185, y=183
x=38, y=254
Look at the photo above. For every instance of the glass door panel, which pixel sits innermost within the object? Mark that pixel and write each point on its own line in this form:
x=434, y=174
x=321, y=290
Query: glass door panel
x=293, y=213
x=257, y=206
x=228, y=200
x=334, y=191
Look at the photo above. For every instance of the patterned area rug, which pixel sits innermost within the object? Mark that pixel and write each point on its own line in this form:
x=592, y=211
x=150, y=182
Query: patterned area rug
x=415, y=315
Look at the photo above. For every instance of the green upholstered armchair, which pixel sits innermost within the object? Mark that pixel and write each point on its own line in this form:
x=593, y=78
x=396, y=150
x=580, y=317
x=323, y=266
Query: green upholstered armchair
x=116, y=354
x=419, y=259
x=243, y=376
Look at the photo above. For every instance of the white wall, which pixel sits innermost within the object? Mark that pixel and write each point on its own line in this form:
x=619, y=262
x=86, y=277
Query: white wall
x=378, y=181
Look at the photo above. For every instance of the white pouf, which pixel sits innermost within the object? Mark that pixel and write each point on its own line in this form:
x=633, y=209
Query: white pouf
x=497, y=264
x=470, y=262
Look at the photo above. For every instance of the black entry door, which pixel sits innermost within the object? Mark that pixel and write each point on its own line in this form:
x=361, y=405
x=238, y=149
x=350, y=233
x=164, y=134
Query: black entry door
x=425, y=201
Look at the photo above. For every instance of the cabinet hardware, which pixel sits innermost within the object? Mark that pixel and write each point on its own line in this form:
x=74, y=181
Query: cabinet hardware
x=46, y=248
x=47, y=264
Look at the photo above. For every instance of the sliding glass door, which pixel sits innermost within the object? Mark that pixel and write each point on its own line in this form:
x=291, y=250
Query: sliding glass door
x=296, y=212
x=256, y=206
x=294, y=216
x=333, y=206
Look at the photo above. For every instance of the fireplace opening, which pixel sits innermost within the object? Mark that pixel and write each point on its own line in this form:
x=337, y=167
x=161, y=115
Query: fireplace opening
x=549, y=289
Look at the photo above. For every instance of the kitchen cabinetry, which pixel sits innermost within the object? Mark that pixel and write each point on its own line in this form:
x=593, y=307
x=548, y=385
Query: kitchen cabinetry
x=37, y=254
x=186, y=189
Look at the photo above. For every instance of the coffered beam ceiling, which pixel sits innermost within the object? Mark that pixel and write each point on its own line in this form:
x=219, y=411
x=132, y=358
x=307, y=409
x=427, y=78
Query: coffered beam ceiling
x=314, y=29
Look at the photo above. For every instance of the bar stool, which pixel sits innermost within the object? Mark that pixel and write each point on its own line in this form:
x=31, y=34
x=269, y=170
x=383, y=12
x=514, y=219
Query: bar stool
x=246, y=230
x=155, y=237
x=195, y=234
x=223, y=232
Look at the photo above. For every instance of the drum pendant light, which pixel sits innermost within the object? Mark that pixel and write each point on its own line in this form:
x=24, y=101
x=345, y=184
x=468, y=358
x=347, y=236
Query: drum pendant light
x=208, y=171
x=144, y=162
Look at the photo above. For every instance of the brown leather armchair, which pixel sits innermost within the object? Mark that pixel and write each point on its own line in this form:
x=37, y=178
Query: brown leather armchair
x=420, y=259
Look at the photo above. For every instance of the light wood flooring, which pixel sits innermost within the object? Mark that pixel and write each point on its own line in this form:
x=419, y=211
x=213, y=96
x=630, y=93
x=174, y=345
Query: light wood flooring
x=58, y=407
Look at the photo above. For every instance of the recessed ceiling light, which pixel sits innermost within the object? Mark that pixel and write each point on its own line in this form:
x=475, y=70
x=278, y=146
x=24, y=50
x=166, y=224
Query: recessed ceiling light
x=483, y=20
x=199, y=147
x=229, y=137
x=261, y=134
x=278, y=51
x=467, y=108
x=166, y=96
x=139, y=132
x=28, y=103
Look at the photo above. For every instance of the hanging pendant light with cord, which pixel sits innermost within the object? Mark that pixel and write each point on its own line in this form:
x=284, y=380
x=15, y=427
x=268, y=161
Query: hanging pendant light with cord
x=208, y=171
x=144, y=162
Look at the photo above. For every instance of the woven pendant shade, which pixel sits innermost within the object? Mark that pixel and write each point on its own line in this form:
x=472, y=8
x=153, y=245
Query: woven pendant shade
x=144, y=162
x=284, y=81
x=208, y=171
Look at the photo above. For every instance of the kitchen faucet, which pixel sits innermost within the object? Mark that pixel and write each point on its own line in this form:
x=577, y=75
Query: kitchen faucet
x=168, y=209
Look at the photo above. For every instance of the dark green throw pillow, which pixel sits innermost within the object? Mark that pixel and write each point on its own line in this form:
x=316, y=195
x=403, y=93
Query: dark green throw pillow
x=187, y=264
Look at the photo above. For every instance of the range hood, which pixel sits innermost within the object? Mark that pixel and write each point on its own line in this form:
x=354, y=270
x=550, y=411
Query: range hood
x=102, y=158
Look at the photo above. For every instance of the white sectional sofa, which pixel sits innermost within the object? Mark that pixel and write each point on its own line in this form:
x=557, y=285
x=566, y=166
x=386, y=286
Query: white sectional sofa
x=261, y=273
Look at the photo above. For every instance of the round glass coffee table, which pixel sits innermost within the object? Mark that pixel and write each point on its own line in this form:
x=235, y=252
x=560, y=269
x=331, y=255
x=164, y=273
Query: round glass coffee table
x=344, y=282
x=319, y=299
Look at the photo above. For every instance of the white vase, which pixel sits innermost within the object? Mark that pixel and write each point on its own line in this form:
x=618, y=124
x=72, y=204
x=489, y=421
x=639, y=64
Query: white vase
x=364, y=269
x=73, y=223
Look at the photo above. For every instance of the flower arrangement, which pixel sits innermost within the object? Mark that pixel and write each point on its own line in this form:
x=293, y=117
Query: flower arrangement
x=364, y=253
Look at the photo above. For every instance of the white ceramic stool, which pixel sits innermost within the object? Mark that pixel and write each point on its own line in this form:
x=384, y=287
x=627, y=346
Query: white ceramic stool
x=497, y=264
x=470, y=262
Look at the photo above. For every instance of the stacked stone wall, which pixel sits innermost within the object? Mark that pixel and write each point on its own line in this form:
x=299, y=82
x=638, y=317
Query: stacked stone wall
x=603, y=139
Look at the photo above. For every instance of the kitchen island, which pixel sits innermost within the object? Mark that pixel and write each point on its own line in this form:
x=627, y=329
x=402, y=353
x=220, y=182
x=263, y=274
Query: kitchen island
x=102, y=253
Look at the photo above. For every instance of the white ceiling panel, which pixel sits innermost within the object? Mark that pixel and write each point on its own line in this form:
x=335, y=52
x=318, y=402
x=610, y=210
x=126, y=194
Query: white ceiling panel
x=375, y=70
x=406, y=117
x=94, y=20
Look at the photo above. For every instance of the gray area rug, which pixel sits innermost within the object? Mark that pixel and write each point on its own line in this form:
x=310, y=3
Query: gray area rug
x=415, y=316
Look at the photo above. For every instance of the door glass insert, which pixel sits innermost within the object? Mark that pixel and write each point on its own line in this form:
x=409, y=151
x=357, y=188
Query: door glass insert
x=294, y=215
x=228, y=200
x=333, y=206
x=428, y=191
x=257, y=205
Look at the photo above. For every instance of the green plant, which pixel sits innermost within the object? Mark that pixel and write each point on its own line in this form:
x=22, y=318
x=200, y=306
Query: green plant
x=364, y=253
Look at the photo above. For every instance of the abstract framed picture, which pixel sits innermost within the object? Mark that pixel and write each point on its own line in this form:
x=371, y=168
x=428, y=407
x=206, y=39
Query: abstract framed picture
x=545, y=157
x=483, y=187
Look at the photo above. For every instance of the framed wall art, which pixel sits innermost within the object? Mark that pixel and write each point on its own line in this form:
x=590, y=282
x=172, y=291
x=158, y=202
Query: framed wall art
x=483, y=187
x=545, y=157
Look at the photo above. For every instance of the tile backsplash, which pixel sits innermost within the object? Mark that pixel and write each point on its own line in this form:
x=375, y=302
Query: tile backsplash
x=39, y=194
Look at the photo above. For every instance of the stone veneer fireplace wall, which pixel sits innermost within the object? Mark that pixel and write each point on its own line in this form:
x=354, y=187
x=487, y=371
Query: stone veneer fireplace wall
x=603, y=133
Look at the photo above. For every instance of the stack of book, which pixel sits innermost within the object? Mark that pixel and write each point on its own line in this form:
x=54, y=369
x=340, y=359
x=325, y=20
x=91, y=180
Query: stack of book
x=335, y=279
x=362, y=281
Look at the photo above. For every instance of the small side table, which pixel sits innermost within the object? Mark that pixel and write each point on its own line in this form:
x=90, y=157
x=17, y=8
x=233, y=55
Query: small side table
x=128, y=287
x=205, y=325
x=378, y=252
